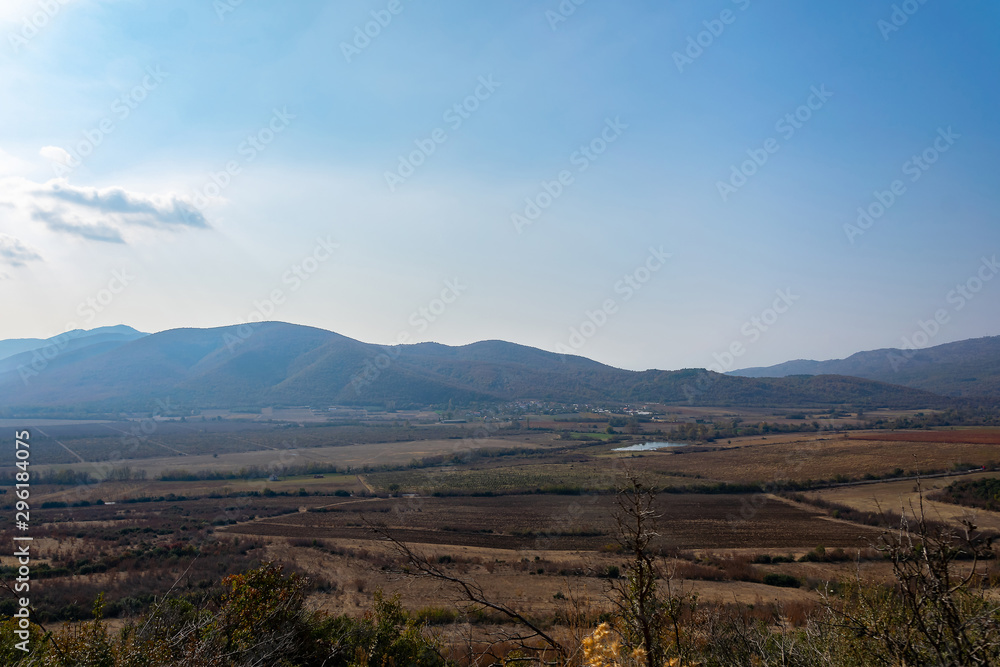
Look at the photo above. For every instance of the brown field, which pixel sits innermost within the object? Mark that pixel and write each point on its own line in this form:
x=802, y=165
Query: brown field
x=903, y=497
x=118, y=491
x=377, y=454
x=820, y=456
x=548, y=522
x=524, y=547
x=512, y=577
x=982, y=436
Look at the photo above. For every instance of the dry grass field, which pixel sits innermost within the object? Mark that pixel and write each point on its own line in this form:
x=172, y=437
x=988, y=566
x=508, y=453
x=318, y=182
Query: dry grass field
x=513, y=577
x=355, y=456
x=535, y=527
x=983, y=436
x=904, y=497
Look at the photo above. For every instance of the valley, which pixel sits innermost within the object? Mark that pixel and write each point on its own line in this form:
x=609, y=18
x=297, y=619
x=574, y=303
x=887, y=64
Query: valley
x=522, y=502
x=163, y=465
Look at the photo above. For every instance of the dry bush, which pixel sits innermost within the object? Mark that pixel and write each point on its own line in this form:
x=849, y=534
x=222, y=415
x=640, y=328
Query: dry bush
x=799, y=612
x=684, y=570
x=738, y=567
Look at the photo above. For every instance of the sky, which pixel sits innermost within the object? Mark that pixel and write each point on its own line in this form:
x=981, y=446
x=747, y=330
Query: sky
x=721, y=184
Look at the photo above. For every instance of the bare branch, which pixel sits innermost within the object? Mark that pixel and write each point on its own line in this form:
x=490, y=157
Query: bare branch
x=471, y=592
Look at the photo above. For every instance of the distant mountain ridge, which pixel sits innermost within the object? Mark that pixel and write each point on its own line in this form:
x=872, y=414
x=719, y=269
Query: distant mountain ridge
x=275, y=363
x=77, y=338
x=964, y=368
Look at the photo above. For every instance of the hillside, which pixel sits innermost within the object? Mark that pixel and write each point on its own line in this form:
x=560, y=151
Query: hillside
x=283, y=364
x=965, y=368
x=18, y=351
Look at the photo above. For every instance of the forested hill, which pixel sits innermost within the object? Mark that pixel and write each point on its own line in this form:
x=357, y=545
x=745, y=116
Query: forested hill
x=965, y=368
x=283, y=364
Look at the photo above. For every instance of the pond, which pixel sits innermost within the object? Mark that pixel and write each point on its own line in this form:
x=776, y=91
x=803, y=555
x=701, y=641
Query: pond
x=649, y=446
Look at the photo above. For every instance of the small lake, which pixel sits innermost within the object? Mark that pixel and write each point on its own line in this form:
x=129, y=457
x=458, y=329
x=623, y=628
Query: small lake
x=649, y=446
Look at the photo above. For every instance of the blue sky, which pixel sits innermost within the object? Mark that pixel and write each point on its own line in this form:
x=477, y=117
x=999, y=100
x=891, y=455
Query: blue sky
x=642, y=110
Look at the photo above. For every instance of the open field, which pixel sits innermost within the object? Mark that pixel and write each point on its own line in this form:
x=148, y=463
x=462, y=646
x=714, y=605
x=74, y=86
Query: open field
x=136, y=440
x=821, y=456
x=502, y=477
x=905, y=496
x=544, y=522
x=513, y=577
x=983, y=436
x=342, y=456
x=529, y=524
x=327, y=483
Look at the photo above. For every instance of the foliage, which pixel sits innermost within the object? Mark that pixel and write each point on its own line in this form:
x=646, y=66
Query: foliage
x=984, y=493
x=385, y=637
x=976, y=415
x=780, y=579
x=602, y=648
x=259, y=619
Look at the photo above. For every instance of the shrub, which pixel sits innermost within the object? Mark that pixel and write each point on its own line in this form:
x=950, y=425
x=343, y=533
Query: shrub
x=781, y=579
x=435, y=616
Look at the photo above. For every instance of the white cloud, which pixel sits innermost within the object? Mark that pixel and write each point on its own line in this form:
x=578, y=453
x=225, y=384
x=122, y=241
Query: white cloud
x=56, y=154
x=14, y=252
x=96, y=214
x=66, y=222
x=128, y=208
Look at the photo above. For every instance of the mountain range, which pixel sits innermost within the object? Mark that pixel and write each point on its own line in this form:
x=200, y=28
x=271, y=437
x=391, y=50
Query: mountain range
x=279, y=364
x=967, y=368
x=68, y=341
